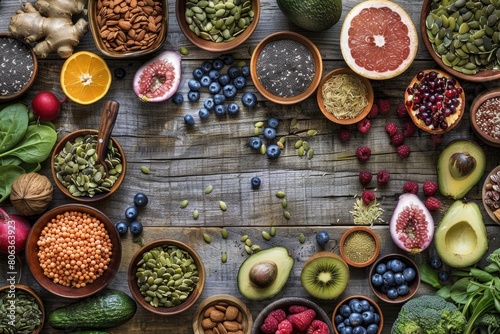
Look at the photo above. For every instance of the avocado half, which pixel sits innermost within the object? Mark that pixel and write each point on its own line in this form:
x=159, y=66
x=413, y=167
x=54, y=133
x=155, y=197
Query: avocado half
x=460, y=166
x=276, y=257
x=460, y=238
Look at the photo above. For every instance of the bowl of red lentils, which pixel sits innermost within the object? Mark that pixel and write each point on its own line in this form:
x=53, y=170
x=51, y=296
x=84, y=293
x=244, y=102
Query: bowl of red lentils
x=73, y=251
x=485, y=117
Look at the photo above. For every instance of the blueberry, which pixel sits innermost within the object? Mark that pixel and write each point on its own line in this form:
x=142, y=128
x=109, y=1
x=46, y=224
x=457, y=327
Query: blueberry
x=233, y=71
x=203, y=113
x=368, y=317
x=403, y=290
x=245, y=71
x=392, y=293
x=396, y=266
x=269, y=133
x=224, y=79
x=228, y=59
x=194, y=84
x=359, y=330
x=376, y=318
x=198, y=73
x=131, y=212
x=205, y=81
x=436, y=262
x=355, y=319
x=341, y=327
x=273, y=151
x=347, y=330
x=409, y=274
x=365, y=305
x=388, y=278
x=214, y=74
x=255, y=182
x=229, y=91
x=121, y=227
x=218, y=63
x=135, y=227
x=249, y=100
x=356, y=306
x=219, y=99
x=177, y=98
x=322, y=237
x=188, y=119
x=381, y=268
x=214, y=87
x=193, y=95
x=384, y=288
x=399, y=278
x=120, y=73
x=377, y=280
x=273, y=122
x=140, y=200
x=233, y=108
x=239, y=82
x=372, y=329
x=338, y=319
x=220, y=109
x=443, y=276
x=255, y=143
x=345, y=311
x=209, y=103
x=206, y=66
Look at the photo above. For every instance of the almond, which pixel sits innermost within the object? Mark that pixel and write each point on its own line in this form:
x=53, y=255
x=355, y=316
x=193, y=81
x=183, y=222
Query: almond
x=232, y=312
x=217, y=316
x=207, y=323
x=221, y=328
x=231, y=326
x=209, y=309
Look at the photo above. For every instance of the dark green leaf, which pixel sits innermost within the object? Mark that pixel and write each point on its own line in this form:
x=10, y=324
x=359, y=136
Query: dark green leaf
x=459, y=291
x=429, y=275
x=481, y=275
x=444, y=292
x=9, y=174
x=36, y=145
x=13, y=125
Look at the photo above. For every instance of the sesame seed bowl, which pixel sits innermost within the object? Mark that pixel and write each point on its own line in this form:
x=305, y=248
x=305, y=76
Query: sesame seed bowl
x=484, y=120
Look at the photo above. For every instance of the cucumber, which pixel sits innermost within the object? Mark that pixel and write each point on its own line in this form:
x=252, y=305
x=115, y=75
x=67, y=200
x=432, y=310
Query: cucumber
x=108, y=309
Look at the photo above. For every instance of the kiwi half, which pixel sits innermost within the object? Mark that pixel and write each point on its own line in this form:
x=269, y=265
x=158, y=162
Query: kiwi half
x=325, y=275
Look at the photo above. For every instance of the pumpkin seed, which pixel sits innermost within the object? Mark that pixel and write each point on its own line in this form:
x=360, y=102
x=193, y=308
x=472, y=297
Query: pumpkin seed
x=145, y=170
x=281, y=194
x=302, y=238
x=223, y=257
x=298, y=143
x=284, y=203
x=255, y=248
x=266, y=235
x=207, y=238
x=195, y=214
x=223, y=233
x=208, y=189
x=184, y=203
x=184, y=51
x=286, y=214
x=248, y=242
x=248, y=250
x=244, y=238
x=222, y=205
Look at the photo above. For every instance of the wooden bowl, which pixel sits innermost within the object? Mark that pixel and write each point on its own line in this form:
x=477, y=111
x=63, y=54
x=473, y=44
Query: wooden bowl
x=413, y=286
x=347, y=300
x=364, y=231
x=209, y=45
x=316, y=56
x=486, y=137
x=345, y=121
x=29, y=291
x=68, y=291
x=193, y=295
x=420, y=123
x=222, y=300
x=28, y=82
x=285, y=303
x=489, y=210
x=483, y=75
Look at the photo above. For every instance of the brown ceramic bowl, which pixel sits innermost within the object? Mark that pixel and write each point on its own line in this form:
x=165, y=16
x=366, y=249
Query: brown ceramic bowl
x=347, y=252
x=29, y=291
x=316, y=57
x=483, y=75
x=284, y=304
x=33, y=63
x=243, y=317
x=481, y=130
x=345, y=121
x=360, y=298
x=32, y=249
x=413, y=285
x=486, y=187
x=95, y=15
x=210, y=45
x=192, y=296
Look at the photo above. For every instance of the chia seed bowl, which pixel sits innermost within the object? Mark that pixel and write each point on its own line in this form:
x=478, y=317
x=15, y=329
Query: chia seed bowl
x=485, y=117
x=286, y=67
x=18, y=69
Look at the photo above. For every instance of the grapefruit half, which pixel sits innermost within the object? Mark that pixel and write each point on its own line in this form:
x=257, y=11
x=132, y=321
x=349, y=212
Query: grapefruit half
x=378, y=39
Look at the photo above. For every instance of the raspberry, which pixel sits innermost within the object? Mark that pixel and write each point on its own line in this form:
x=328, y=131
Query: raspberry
x=278, y=314
x=401, y=110
x=345, y=134
x=318, y=327
x=373, y=111
x=391, y=129
x=364, y=125
x=403, y=151
x=397, y=139
x=302, y=320
x=384, y=106
x=285, y=327
x=270, y=325
x=367, y=196
x=430, y=188
x=408, y=129
x=363, y=153
x=411, y=187
x=432, y=203
x=297, y=308
x=383, y=177
x=365, y=177
x=436, y=140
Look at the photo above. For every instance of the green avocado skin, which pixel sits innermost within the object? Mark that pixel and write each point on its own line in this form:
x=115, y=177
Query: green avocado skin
x=312, y=15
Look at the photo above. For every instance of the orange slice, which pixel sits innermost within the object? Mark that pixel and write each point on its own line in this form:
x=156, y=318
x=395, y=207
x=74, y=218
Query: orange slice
x=85, y=77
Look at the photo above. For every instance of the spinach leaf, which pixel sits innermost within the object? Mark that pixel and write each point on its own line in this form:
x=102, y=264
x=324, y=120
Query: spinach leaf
x=9, y=174
x=13, y=125
x=35, y=146
x=429, y=276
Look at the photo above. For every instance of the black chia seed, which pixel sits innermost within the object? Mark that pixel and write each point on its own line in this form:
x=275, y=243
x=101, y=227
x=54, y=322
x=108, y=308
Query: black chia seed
x=285, y=68
x=16, y=67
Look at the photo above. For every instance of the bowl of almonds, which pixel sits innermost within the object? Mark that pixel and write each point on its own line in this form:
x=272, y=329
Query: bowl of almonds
x=125, y=29
x=224, y=313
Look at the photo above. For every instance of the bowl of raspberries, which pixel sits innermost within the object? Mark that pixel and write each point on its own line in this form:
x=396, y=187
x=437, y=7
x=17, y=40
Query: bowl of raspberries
x=292, y=315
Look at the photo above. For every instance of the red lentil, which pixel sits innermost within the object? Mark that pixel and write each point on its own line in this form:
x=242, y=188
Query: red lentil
x=488, y=117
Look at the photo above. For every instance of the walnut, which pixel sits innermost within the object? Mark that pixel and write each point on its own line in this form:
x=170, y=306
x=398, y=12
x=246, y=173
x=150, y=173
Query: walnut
x=31, y=194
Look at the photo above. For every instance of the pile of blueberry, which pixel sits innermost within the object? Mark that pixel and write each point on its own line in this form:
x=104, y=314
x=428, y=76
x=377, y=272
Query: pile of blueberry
x=357, y=316
x=437, y=264
x=272, y=150
x=222, y=86
x=131, y=213
x=393, y=278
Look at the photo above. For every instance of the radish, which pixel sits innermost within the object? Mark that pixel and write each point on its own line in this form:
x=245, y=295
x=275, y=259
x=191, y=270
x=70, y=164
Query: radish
x=14, y=230
x=46, y=106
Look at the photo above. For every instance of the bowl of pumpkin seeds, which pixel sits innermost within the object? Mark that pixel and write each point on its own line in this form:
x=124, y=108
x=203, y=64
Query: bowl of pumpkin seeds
x=217, y=25
x=166, y=277
x=463, y=37
x=28, y=307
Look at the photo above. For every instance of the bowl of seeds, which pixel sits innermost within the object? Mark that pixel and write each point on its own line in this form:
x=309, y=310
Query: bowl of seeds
x=286, y=67
x=484, y=116
x=491, y=194
x=217, y=26
x=359, y=246
x=166, y=277
x=32, y=319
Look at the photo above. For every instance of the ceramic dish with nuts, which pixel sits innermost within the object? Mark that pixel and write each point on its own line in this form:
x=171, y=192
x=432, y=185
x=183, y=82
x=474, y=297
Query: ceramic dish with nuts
x=491, y=194
x=484, y=117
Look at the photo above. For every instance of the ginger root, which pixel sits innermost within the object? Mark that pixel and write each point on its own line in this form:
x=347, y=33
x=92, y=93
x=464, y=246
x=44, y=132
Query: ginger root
x=50, y=20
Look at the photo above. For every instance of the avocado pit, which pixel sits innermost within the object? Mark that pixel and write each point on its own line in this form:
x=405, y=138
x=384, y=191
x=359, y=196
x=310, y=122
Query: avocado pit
x=263, y=274
x=461, y=165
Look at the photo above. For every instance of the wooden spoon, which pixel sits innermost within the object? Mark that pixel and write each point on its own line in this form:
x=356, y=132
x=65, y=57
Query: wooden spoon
x=108, y=118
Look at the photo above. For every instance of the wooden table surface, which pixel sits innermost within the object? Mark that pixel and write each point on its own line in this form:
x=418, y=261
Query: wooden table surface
x=184, y=160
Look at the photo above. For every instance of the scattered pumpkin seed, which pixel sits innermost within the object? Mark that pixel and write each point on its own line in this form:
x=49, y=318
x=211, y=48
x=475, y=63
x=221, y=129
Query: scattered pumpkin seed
x=184, y=203
x=145, y=170
x=300, y=151
x=282, y=140
x=144, y=325
x=284, y=203
x=298, y=143
x=297, y=108
x=208, y=189
x=302, y=238
x=248, y=250
x=207, y=238
x=280, y=145
x=281, y=194
x=222, y=205
x=312, y=132
x=263, y=149
x=266, y=235
x=255, y=248
x=244, y=238
x=184, y=51
x=195, y=214
x=223, y=233
x=310, y=154
x=272, y=231
x=259, y=124
x=286, y=214
x=223, y=257
x=248, y=242
x=293, y=122
x=241, y=63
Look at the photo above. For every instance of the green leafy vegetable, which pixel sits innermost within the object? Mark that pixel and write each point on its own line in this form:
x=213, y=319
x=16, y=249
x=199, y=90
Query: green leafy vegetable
x=35, y=146
x=9, y=174
x=429, y=276
x=13, y=124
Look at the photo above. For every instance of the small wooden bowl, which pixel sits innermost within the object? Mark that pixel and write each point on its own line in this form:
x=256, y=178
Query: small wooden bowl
x=226, y=300
x=316, y=55
x=27, y=290
x=67, y=291
x=93, y=13
x=478, y=101
x=377, y=308
x=285, y=303
x=413, y=286
x=345, y=121
x=208, y=45
x=364, y=230
x=484, y=75
x=29, y=82
x=490, y=211
x=193, y=295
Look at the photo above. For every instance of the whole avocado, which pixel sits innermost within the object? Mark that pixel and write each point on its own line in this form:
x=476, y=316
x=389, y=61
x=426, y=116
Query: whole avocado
x=312, y=15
